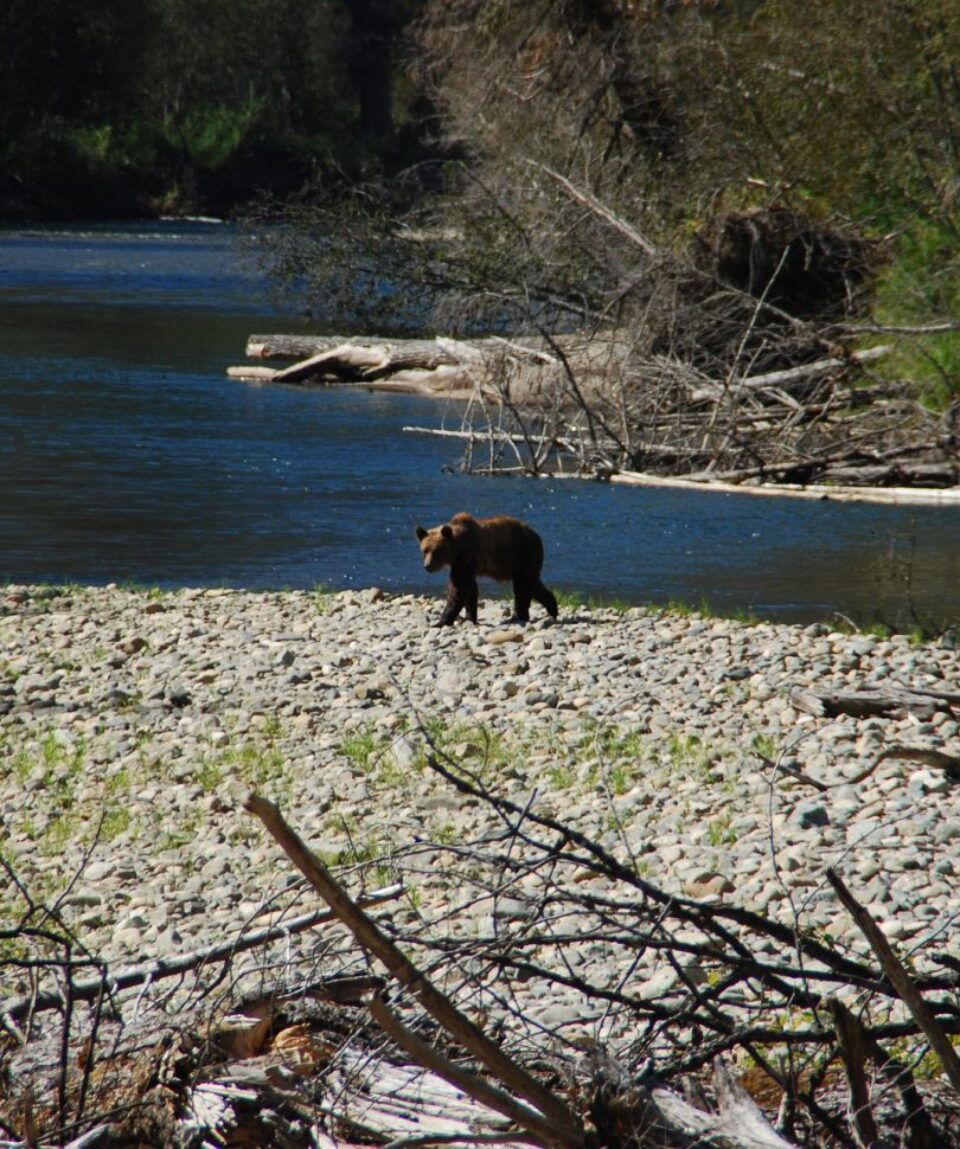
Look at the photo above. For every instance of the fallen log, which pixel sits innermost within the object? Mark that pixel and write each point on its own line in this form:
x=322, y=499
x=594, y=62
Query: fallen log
x=251, y=373
x=346, y=361
x=635, y=1112
x=873, y=701
x=290, y=346
x=925, y=496
x=810, y=370
x=418, y=366
x=926, y=475
x=402, y=352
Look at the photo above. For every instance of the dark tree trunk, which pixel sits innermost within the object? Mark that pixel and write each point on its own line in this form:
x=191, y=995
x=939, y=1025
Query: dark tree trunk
x=371, y=64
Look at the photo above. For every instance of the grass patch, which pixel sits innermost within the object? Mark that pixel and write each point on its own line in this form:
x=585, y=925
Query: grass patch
x=683, y=609
x=720, y=832
x=561, y=776
x=571, y=600
x=322, y=597
x=116, y=821
x=361, y=747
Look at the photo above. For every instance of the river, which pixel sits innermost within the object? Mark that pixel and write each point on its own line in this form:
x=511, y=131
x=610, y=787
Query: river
x=126, y=454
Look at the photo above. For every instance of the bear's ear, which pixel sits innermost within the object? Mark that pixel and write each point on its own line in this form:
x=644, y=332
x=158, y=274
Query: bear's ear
x=421, y=533
x=447, y=531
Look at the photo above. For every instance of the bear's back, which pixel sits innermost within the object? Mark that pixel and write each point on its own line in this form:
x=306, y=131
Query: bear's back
x=507, y=547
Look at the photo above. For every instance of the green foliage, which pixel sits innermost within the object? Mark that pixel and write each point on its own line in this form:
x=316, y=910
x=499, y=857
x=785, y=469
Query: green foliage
x=573, y=601
x=765, y=745
x=561, y=776
x=256, y=762
x=360, y=747
x=923, y=280
x=188, y=104
x=116, y=821
x=720, y=832
x=322, y=598
x=686, y=610
x=689, y=753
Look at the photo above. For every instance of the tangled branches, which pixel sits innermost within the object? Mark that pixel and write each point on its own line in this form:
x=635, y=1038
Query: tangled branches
x=581, y=999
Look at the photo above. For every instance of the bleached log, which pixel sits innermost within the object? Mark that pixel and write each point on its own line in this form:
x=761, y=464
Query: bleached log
x=247, y=371
x=424, y=352
x=651, y=1114
x=925, y=496
x=345, y=361
x=809, y=370
x=441, y=380
x=291, y=346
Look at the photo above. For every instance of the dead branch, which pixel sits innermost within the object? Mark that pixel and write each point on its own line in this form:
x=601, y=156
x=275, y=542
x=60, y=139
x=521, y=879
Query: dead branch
x=158, y=968
x=578, y=195
x=474, y=1086
x=851, y=1039
x=562, y=1125
x=811, y=370
x=785, y=768
x=929, y=755
x=901, y=980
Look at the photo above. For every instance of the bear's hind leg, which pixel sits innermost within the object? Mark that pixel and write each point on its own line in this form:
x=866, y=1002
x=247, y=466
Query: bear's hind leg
x=522, y=597
x=546, y=599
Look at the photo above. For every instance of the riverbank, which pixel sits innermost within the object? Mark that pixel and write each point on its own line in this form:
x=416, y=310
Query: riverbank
x=145, y=717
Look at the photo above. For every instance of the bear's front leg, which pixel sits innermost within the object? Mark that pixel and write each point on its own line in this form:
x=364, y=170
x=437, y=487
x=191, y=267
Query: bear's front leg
x=455, y=603
x=471, y=596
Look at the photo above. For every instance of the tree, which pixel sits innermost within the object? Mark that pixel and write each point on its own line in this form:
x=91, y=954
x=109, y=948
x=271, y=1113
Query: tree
x=168, y=105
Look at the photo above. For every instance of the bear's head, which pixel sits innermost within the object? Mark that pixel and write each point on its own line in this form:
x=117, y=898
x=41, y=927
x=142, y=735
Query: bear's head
x=436, y=546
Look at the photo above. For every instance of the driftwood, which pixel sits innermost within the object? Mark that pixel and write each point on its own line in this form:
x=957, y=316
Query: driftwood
x=601, y=406
x=738, y=1123
x=638, y=1111
x=873, y=700
x=643, y=1112
x=361, y=360
x=298, y=1064
x=923, y=496
x=422, y=366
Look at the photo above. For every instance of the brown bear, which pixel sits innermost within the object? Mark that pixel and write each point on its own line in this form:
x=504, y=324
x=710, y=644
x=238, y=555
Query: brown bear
x=499, y=548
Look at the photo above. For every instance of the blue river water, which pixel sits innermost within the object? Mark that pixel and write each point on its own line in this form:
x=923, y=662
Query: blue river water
x=126, y=454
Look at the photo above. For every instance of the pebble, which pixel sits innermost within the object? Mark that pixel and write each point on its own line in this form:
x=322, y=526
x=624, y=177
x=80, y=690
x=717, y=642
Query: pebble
x=151, y=718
